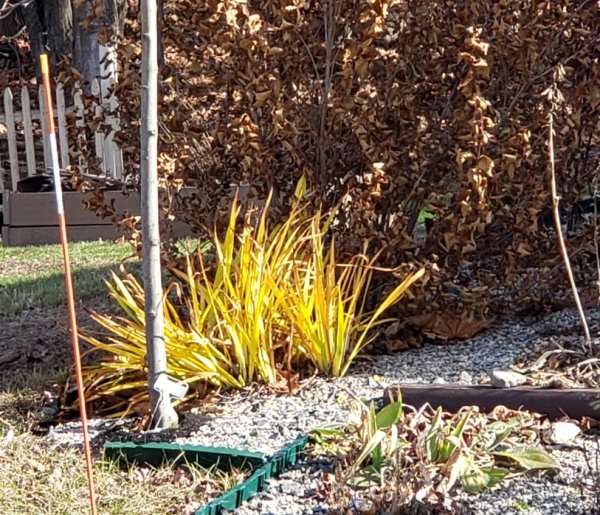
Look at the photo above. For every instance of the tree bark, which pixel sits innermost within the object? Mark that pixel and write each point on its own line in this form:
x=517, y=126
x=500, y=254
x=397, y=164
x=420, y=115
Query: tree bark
x=35, y=31
x=114, y=16
x=163, y=413
x=86, y=50
x=59, y=26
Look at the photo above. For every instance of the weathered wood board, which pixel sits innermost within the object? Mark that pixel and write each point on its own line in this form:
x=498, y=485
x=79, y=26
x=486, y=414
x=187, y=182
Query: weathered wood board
x=30, y=218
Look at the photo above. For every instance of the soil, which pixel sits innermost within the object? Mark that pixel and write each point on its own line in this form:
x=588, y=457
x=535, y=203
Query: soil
x=37, y=340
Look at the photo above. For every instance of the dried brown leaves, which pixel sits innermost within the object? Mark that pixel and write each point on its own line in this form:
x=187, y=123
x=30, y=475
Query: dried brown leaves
x=388, y=107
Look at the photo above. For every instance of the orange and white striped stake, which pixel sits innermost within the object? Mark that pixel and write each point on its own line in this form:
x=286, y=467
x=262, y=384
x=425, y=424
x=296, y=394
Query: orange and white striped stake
x=68, y=278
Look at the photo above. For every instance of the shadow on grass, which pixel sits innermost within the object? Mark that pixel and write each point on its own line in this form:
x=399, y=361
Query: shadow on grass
x=47, y=288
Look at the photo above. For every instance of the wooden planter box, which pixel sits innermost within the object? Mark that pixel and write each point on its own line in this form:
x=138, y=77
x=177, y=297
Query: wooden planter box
x=31, y=219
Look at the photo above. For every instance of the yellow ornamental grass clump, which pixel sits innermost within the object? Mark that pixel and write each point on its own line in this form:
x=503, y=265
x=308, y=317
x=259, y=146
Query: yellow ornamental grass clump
x=192, y=356
x=267, y=300
x=325, y=303
x=234, y=301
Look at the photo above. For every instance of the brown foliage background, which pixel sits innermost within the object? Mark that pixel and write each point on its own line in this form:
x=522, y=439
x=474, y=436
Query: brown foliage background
x=388, y=107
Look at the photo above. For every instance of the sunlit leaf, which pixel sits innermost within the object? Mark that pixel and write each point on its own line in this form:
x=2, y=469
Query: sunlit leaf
x=388, y=415
x=530, y=458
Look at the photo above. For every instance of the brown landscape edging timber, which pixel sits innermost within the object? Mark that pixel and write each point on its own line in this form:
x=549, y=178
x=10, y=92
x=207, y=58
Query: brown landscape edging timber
x=554, y=403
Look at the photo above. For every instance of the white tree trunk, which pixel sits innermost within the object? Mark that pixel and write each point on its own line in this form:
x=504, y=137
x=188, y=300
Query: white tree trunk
x=163, y=413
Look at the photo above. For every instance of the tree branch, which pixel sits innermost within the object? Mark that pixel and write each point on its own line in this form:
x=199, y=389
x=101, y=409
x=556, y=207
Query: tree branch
x=8, y=6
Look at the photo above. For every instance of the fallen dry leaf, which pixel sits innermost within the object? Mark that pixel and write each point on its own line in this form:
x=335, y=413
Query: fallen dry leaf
x=287, y=382
x=449, y=326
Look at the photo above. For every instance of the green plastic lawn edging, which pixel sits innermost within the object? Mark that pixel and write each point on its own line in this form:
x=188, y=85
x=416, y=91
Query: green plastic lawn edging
x=156, y=454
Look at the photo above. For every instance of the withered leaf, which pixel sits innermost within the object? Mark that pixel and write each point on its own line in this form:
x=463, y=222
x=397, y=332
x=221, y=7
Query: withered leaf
x=449, y=326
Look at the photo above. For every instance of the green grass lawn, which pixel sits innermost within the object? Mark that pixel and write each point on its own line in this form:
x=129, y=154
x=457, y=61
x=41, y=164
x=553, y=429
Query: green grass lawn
x=33, y=276
x=42, y=477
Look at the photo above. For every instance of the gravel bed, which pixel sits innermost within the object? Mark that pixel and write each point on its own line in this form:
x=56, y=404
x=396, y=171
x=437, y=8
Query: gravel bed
x=568, y=490
x=259, y=420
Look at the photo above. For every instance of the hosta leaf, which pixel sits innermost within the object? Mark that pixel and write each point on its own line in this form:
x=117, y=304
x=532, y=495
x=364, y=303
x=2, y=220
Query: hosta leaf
x=447, y=448
x=497, y=432
x=495, y=474
x=460, y=427
x=530, y=458
x=457, y=470
x=434, y=439
x=372, y=419
x=476, y=479
x=388, y=415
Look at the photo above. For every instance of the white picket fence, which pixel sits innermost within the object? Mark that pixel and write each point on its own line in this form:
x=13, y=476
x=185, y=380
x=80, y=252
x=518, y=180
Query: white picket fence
x=20, y=127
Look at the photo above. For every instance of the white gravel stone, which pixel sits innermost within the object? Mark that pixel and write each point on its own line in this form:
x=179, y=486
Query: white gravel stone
x=506, y=379
x=562, y=433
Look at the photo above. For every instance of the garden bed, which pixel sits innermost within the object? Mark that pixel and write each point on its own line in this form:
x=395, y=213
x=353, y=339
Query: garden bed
x=260, y=420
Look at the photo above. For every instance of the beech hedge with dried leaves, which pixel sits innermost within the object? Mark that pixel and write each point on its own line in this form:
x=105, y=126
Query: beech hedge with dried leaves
x=392, y=109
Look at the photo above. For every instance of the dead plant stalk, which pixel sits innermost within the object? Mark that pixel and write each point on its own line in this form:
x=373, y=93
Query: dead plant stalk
x=329, y=19
x=557, y=224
